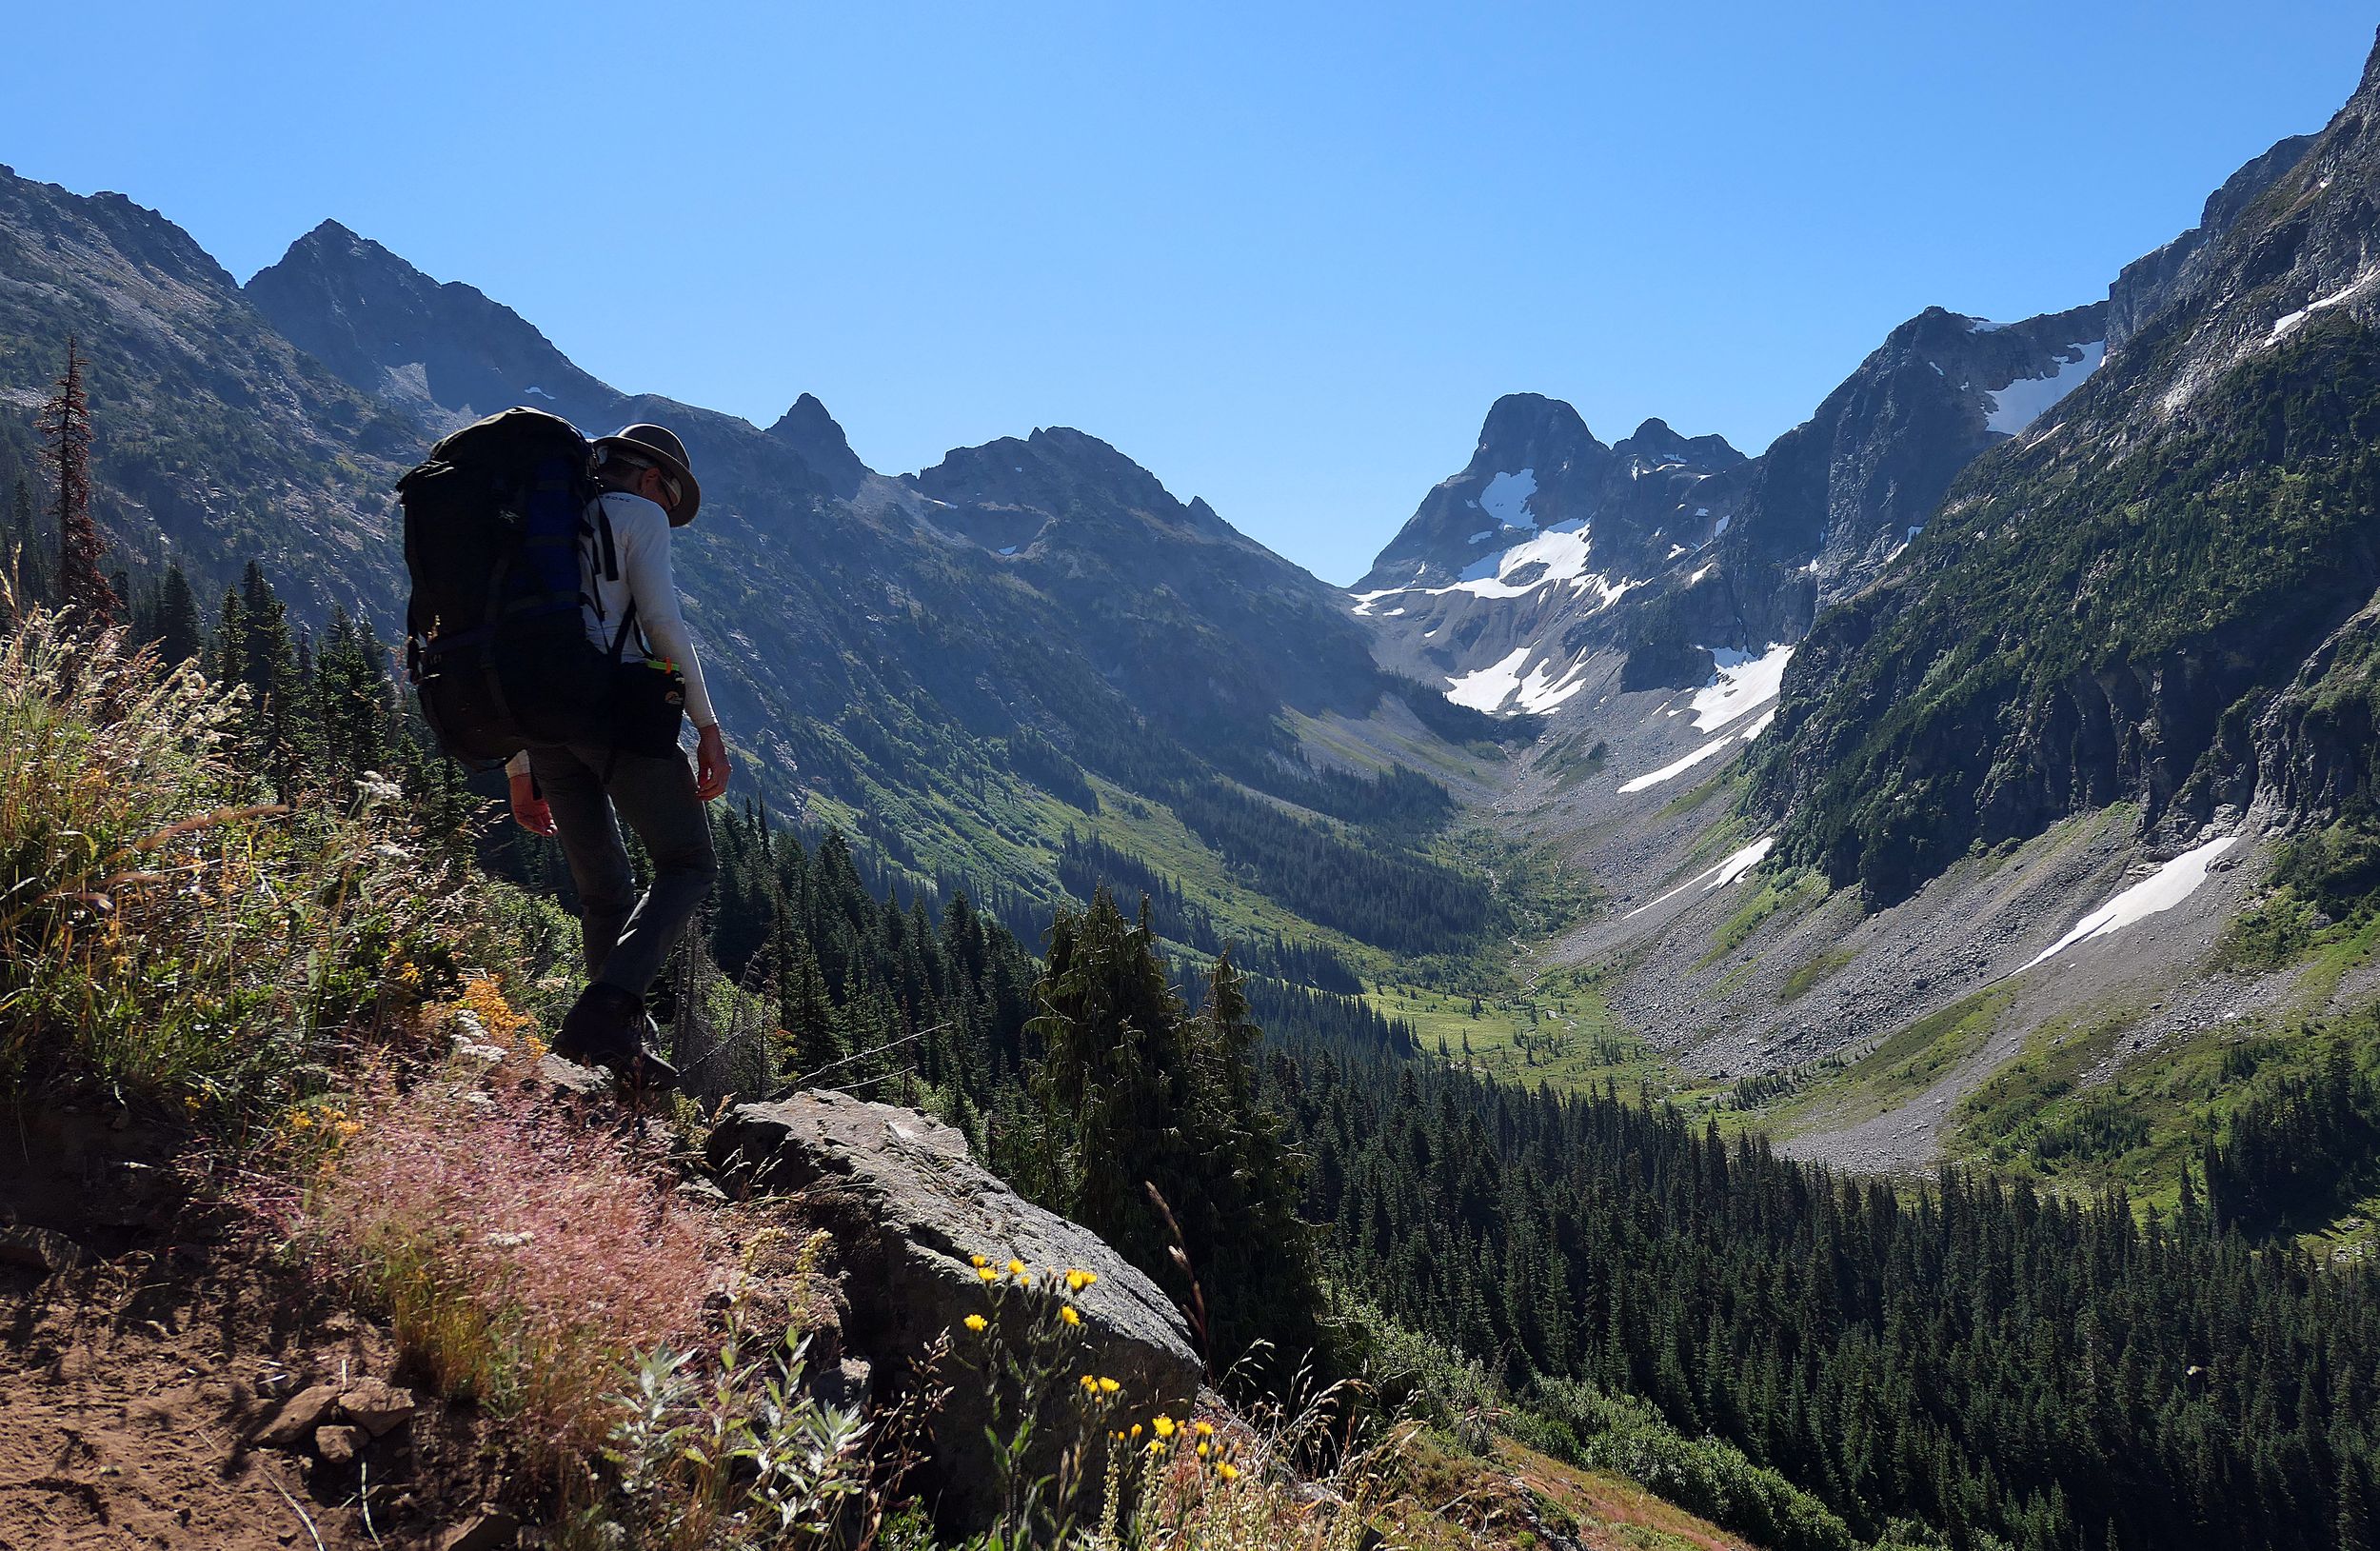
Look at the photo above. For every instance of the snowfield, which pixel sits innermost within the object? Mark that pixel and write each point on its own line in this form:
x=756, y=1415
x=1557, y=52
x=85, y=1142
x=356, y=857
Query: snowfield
x=1506, y=498
x=1718, y=877
x=2161, y=891
x=1744, y=682
x=1540, y=690
x=2028, y=399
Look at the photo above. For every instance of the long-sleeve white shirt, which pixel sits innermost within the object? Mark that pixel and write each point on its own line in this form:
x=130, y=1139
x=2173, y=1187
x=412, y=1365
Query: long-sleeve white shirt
x=640, y=537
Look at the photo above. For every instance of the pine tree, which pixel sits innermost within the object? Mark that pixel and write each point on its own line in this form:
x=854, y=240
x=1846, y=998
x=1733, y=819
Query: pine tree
x=83, y=587
x=176, y=627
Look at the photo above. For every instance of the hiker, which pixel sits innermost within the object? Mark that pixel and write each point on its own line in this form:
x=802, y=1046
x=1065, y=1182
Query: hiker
x=582, y=792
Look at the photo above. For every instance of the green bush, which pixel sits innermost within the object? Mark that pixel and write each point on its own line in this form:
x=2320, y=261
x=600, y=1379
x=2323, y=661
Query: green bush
x=1706, y=1476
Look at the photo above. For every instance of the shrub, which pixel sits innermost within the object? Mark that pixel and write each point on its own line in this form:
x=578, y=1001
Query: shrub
x=165, y=932
x=1705, y=1476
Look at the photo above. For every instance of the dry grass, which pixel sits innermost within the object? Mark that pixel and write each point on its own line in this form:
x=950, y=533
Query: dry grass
x=164, y=933
x=523, y=1258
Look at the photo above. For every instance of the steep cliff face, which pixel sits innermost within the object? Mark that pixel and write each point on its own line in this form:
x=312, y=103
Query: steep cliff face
x=1833, y=501
x=1499, y=580
x=217, y=439
x=1550, y=548
x=2109, y=606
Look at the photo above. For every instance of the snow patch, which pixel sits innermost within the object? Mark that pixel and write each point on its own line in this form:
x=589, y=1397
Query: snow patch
x=2284, y=325
x=1542, y=691
x=1487, y=688
x=1718, y=877
x=1722, y=525
x=1482, y=536
x=2027, y=399
x=1010, y=550
x=533, y=389
x=1677, y=767
x=1982, y=326
x=1506, y=498
x=2161, y=891
x=1741, y=862
x=1743, y=682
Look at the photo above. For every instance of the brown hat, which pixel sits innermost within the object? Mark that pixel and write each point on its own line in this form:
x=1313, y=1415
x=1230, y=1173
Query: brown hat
x=662, y=448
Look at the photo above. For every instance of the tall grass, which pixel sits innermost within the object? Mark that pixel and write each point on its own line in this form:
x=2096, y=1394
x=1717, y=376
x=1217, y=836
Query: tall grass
x=165, y=932
x=522, y=1258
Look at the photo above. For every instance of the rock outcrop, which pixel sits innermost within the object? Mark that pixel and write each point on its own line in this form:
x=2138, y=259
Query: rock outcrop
x=909, y=1208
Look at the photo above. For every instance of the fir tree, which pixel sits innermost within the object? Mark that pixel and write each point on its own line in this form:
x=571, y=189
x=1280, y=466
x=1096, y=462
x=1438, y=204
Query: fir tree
x=83, y=585
x=176, y=627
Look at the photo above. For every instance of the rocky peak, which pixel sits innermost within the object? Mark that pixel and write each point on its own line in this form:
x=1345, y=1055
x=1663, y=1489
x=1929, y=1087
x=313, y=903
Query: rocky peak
x=447, y=350
x=1654, y=445
x=2148, y=283
x=812, y=432
x=1052, y=473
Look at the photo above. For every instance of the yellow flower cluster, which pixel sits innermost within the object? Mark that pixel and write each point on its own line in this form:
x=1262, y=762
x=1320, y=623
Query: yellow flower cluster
x=322, y=1120
x=483, y=998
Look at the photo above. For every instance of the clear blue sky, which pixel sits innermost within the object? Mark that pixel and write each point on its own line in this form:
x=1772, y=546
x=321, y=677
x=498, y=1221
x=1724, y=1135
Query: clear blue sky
x=1283, y=254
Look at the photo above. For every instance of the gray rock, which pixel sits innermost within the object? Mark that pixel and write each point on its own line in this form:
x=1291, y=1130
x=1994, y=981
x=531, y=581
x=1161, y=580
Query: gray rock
x=491, y=1529
x=567, y=1078
x=908, y=1208
x=377, y=1406
x=299, y=1415
x=39, y=1250
x=338, y=1445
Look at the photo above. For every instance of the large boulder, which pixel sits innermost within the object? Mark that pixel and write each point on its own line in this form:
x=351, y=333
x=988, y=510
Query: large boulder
x=909, y=1209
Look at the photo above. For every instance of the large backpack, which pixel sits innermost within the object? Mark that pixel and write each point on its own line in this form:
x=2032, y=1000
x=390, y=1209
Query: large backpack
x=496, y=646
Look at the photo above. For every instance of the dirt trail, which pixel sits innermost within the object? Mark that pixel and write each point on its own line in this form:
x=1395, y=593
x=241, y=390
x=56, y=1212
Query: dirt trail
x=130, y=1385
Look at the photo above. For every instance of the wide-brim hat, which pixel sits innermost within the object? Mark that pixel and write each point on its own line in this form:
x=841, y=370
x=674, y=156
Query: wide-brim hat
x=662, y=446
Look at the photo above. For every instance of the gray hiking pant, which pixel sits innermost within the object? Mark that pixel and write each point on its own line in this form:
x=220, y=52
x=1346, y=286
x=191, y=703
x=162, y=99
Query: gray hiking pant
x=627, y=938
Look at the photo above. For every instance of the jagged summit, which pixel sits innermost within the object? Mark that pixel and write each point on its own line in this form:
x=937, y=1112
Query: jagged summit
x=815, y=434
x=388, y=329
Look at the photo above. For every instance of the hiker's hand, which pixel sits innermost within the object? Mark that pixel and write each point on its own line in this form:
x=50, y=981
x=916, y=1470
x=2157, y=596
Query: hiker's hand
x=528, y=809
x=710, y=764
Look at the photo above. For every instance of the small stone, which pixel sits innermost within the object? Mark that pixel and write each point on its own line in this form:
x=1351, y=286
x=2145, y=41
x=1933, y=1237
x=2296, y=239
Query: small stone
x=338, y=1445
x=491, y=1529
x=39, y=1250
x=377, y=1406
x=299, y=1415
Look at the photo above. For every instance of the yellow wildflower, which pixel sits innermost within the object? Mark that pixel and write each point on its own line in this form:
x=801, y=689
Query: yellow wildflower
x=1204, y=1430
x=1157, y=1446
x=1090, y=1384
x=1109, y=1386
x=1225, y=1469
x=1078, y=1279
x=988, y=1273
x=1068, y=1315
x=1205, y=1449
x=975, y=1322
x=978, y=1261
x=1016, y=1268
x=1164, y=1426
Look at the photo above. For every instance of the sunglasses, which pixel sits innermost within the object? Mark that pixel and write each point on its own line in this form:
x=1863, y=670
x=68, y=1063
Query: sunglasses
x=669, y=486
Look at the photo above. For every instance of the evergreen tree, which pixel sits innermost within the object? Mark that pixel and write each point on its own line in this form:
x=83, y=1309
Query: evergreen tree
x=83, y=585
x=176, y=627
x=354, y=703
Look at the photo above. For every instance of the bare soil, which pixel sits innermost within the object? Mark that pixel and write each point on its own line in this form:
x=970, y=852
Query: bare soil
x=134, y=1381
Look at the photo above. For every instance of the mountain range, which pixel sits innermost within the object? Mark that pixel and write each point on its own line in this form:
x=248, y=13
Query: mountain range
x=1786, y=753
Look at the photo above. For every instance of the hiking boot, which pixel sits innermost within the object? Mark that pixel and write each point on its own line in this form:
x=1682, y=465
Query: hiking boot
x=606, y=1028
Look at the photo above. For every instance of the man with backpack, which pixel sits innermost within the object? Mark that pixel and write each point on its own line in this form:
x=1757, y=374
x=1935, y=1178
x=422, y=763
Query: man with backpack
x=582, y=790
